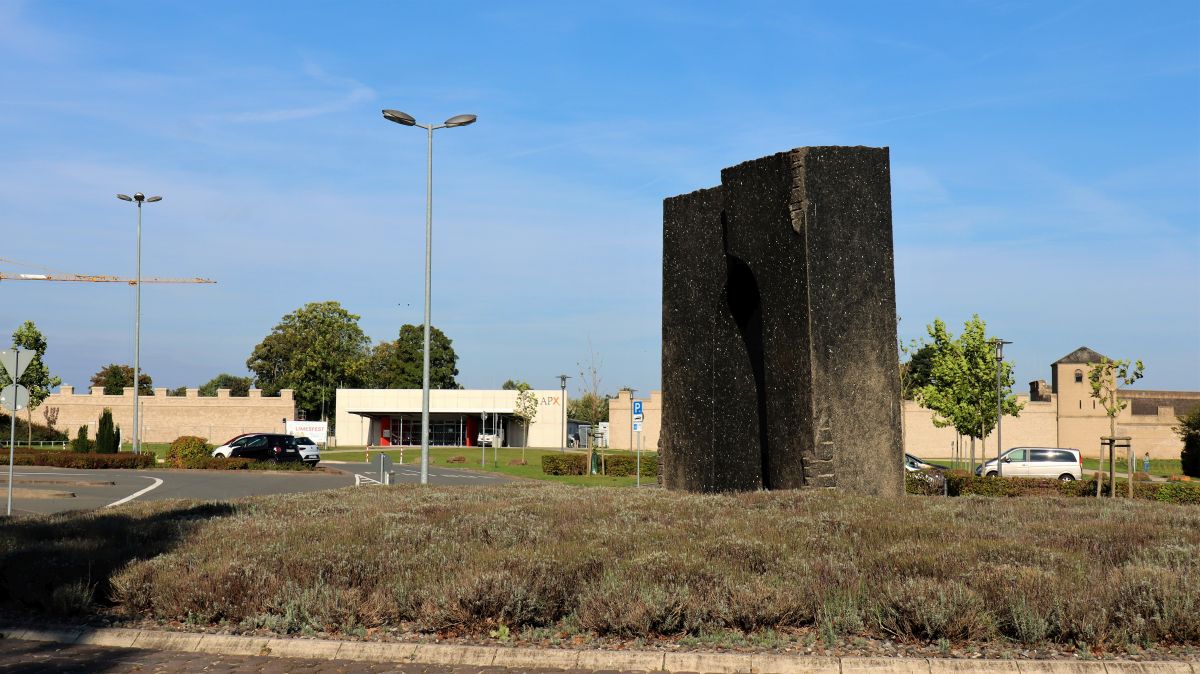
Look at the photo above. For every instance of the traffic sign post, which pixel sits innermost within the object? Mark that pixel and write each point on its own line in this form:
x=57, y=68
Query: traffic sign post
x=638, y=417
x=13, y=398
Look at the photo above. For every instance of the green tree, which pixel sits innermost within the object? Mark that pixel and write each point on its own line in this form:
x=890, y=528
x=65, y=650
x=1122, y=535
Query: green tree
x=1189, y=431
x=239, y=387
x=115, y=378
x=178, y=392
x=312, y=350
x=525, y=409
x=81, y=443
x=962, y=381
x=589, y=408
x=916, y=372
x=37, y=377
x=513, y=385
x=398, y=364
x=1104, y=378
x=106, y=434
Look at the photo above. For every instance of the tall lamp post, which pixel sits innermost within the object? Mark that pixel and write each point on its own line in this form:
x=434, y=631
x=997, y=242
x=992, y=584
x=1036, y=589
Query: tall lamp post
x=406, y=119
x=999, y=402
x=562, y=384
x=138, y=198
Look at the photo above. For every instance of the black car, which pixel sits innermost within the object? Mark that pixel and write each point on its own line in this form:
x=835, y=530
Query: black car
x=260, y=447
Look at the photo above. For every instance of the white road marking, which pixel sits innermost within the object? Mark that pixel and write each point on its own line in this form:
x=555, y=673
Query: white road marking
x=127, y=499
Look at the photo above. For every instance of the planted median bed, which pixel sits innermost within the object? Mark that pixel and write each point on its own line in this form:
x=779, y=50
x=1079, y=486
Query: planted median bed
x=25, y=456
x=548, y=564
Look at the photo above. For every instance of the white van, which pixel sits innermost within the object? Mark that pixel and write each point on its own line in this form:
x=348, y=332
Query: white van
x=1053, y=462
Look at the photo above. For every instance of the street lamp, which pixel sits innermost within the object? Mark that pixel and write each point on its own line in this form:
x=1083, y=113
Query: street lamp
x=139, y=198
x=562, y=384
x=406, y=119
x=999, y=402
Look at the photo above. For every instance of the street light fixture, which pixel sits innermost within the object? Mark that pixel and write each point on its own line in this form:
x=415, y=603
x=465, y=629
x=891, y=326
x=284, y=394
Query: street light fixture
x=137, y=315
x=406, y=119
x=999, y=402
x=562, y=384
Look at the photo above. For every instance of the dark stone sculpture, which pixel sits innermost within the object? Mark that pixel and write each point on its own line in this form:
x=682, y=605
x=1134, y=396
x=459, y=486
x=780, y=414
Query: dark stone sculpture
x=779, y=328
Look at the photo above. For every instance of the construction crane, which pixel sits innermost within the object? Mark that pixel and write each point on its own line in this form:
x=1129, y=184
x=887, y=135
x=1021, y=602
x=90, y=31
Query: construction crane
x=48, y=275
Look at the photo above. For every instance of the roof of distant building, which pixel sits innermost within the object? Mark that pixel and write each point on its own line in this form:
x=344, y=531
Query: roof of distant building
x=1081, y=355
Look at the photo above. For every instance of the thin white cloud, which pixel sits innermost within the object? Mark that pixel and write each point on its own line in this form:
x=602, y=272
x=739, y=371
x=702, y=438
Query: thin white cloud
x=20, y=35
x=352, y=94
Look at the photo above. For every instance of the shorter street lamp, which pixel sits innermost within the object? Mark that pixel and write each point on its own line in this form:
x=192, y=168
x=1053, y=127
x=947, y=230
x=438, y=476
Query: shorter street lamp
x=999, y=402
x=562, y=385
x=137, y=316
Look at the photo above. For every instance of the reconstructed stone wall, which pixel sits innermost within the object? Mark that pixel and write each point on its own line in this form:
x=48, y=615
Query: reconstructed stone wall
x=164, y=418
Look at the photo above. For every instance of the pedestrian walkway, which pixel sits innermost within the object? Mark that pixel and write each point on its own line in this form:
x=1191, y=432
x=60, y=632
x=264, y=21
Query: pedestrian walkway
x=104, y=650
x=40, y=657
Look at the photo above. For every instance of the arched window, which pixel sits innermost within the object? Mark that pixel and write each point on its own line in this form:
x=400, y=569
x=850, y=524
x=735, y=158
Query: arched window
x=1078, y=376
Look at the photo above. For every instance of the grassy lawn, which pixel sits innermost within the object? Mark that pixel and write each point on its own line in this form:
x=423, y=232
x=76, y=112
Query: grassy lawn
x=552, y=562
x=495, y=461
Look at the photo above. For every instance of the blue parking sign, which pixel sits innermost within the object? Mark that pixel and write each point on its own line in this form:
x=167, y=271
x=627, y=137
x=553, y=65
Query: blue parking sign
x=637, y=410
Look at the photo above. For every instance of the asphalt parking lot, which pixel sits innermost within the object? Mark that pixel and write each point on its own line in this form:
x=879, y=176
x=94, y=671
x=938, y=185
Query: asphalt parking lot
x=44, y=490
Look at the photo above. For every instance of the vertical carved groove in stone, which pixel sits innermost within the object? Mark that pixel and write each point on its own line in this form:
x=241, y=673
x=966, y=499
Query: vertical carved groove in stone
x=745, y=305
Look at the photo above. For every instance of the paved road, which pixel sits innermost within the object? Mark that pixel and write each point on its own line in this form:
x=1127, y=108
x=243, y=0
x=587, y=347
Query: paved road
x=42, y=490
x=409, y=473
x=39, y=657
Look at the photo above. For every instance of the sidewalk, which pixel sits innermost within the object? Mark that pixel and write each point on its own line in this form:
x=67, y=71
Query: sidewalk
x=79, y=649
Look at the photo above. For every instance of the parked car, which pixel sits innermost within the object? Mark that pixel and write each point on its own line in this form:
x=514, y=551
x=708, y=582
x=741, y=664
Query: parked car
x=310, y=453
x=261, y=447
x=1054, y=462
x=913, y=464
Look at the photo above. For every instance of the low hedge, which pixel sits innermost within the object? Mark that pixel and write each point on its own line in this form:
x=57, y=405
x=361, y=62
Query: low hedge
x=924, y=484
x=84, y=460
x=624, y=466
x=221, y=463
x=213, y=463
x=564, y=464
x=961, y=483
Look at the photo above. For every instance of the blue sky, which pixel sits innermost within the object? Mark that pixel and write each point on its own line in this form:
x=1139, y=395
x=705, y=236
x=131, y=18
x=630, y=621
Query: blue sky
x=1045, y=166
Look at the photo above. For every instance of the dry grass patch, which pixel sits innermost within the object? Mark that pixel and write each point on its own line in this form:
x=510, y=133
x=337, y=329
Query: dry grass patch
x=643, y=564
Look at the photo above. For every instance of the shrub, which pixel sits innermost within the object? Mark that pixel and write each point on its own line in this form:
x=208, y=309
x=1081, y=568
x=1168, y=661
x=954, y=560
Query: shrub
x=187, y=448
x=1175, y=492
x=84, y=460
x=564, y=464
x=106, y=435
x=923, y=483
x=39, y=431
x=624, y=466
x=81, y=443
x=1189, y=430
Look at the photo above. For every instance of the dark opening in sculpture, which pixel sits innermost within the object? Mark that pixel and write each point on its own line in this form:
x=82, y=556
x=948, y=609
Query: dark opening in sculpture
x=779, y=327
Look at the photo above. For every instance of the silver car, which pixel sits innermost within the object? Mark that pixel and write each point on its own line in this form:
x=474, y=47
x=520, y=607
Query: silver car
x=1053, y=462
x=310, y=453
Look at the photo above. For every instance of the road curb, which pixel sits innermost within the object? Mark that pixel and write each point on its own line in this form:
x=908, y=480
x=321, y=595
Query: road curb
x=551, y=658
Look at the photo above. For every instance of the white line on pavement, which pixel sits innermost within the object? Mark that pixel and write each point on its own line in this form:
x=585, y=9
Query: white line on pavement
x=136, y=494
